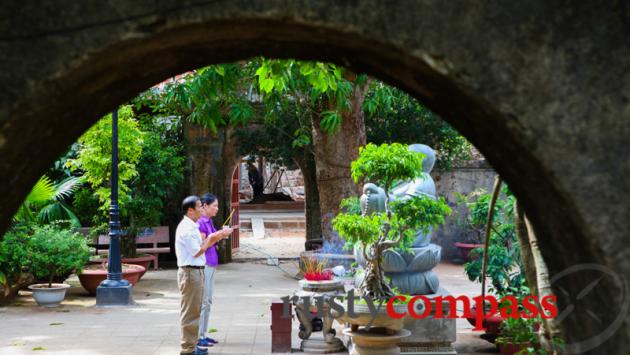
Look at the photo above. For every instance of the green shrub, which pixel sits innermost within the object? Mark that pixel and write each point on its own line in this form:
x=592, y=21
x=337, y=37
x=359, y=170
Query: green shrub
x=53, y=251
x=13, y=255
x=505, y=268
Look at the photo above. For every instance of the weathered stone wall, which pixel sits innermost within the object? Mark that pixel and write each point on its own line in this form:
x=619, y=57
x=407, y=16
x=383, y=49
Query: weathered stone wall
x=463, y=180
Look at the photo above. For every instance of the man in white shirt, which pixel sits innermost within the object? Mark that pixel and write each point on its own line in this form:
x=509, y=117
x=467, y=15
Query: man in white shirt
x=191, y=260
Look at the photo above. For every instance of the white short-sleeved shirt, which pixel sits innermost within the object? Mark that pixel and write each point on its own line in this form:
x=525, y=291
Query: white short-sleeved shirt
x=188, y=243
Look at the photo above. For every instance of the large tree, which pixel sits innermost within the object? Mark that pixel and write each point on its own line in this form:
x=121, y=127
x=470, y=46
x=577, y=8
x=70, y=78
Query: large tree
x=331, y=100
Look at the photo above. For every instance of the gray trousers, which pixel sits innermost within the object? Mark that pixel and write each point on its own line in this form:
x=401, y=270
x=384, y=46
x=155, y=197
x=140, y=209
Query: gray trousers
x=206, y=303
x=190, y=282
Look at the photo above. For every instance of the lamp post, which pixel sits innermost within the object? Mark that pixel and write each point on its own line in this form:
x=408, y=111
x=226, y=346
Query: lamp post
x=114, y=291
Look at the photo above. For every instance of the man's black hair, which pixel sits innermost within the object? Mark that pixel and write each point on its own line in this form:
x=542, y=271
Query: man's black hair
x=189, y=202
x=208, y=199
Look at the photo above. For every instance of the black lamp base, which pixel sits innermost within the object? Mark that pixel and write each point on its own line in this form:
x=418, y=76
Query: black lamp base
x=120, y=294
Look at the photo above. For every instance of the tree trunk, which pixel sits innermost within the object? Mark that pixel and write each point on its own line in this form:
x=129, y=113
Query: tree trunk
x=374, y=283
x=550, y=327
x=312, y=212
x=212, y=158
x=333, y=154
x=526, y=253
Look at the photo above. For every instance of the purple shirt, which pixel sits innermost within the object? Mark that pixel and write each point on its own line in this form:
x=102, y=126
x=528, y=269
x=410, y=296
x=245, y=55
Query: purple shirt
x=206, y=227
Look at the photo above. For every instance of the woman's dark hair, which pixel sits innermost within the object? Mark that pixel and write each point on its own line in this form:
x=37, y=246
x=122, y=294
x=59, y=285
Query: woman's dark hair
x=208, y=199
x=189, y=202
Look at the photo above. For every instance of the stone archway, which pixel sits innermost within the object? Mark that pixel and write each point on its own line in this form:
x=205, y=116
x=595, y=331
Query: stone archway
x=540, y=88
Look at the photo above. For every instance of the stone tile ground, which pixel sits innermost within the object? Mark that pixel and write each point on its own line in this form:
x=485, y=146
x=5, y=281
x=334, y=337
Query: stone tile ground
x=240, y=315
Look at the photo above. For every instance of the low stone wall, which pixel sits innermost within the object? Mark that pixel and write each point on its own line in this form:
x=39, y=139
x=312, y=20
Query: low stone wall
x=463, y=180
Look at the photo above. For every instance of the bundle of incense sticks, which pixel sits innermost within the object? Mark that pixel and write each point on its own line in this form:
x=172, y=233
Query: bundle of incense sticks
x=229, y=218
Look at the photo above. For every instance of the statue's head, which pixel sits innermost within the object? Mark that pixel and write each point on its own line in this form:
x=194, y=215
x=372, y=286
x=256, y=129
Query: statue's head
x=429, y=159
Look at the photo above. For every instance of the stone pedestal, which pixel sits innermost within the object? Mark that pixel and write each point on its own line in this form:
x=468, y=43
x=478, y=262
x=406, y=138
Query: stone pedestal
x=430, y=335
x=373, y=342
x=327, y=343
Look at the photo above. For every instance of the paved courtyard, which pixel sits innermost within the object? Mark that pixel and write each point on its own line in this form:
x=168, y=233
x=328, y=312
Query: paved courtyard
x=240, y=315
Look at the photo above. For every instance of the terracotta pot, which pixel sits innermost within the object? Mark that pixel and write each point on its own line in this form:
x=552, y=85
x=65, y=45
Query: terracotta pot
x=512, y=348
x=465, y=249
x=144, y=260
x=93, y=275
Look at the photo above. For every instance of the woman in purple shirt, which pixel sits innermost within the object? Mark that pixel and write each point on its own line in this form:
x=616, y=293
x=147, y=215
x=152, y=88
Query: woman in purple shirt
x=210, y=207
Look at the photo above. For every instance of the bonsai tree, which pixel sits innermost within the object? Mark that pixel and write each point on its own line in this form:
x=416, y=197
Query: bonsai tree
x=53, y=251
x=385, y=165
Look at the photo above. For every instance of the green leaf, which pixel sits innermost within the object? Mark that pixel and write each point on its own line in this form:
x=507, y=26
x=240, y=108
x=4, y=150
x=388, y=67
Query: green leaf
x=331, y=121
x=266, y=85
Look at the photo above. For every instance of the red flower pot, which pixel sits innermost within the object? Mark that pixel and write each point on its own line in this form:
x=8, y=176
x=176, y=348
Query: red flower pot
x=466, y=248
x=93, y=275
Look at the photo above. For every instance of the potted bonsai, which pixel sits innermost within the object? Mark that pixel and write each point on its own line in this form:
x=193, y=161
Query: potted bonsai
x=374, y=233
x=52, y=252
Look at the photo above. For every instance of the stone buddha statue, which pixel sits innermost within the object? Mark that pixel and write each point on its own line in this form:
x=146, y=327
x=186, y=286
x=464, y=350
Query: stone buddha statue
x=409, y=271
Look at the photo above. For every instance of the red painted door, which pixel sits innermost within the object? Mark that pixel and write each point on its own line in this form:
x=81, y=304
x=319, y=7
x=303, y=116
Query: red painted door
x=234, y=205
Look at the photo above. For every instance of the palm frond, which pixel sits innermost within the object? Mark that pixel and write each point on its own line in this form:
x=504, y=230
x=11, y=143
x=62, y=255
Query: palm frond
x=58, y=211
x=43, y=191
x=67, y=187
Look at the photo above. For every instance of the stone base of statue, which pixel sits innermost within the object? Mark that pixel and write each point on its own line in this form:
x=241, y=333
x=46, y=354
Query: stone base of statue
x=373, y=342
x=430, y=335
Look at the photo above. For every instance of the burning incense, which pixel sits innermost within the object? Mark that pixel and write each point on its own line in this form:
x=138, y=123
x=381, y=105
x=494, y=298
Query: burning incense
x=229, y=218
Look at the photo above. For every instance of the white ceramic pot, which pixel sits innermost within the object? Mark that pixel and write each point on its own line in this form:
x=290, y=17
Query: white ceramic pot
x=49, y=297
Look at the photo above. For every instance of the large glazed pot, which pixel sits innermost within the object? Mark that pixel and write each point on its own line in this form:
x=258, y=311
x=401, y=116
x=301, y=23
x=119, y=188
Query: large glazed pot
x=380, y=320
x=93, y=275
x=365, y=342
x=49, y=296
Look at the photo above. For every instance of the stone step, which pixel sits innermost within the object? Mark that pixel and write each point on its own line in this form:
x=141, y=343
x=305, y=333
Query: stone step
x=285, y=224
